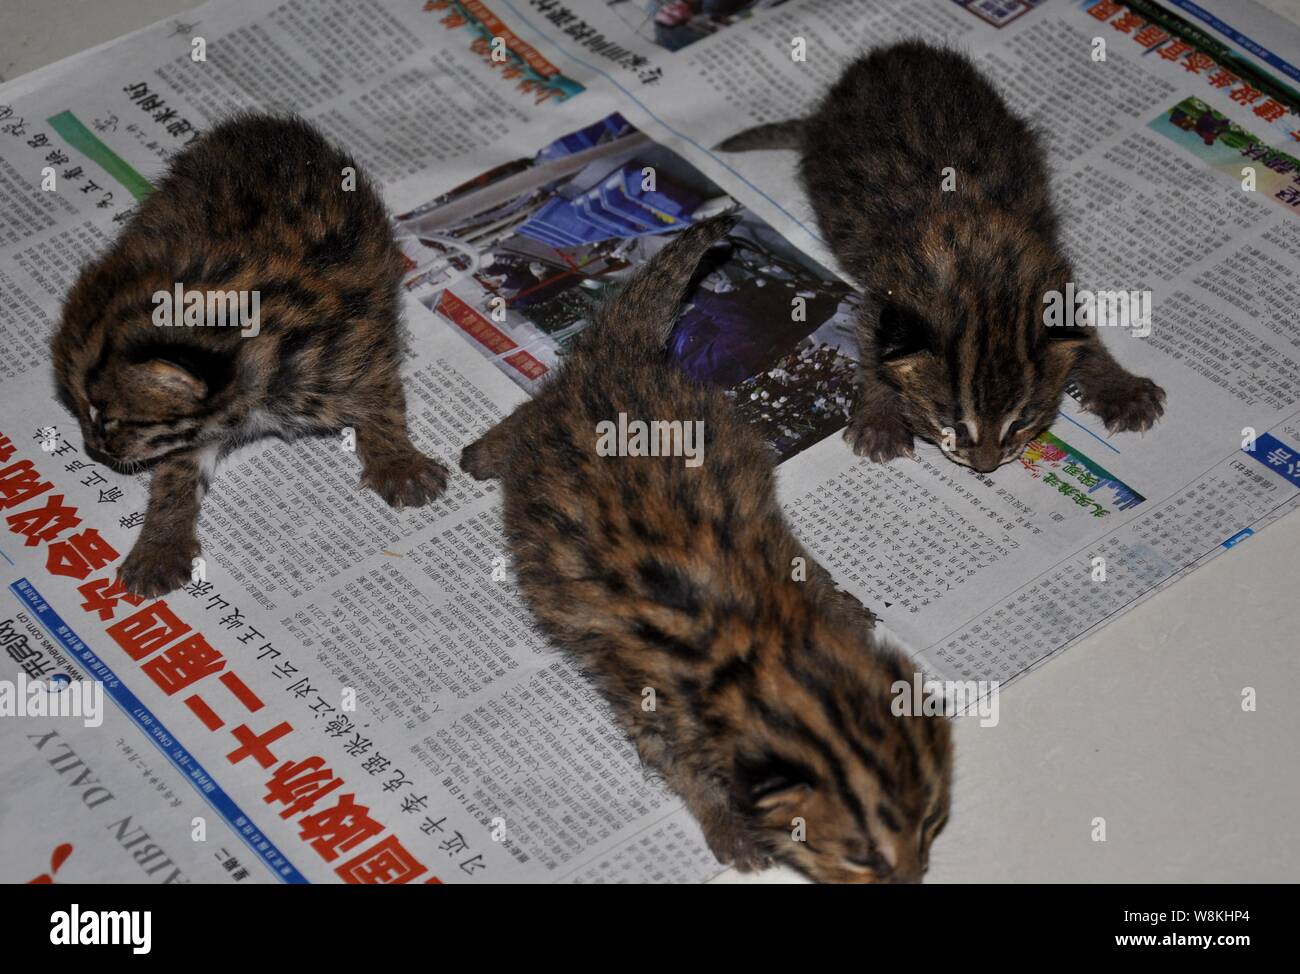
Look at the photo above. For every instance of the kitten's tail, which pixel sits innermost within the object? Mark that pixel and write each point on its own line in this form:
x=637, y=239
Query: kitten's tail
x=774, y=135
x=642, y=314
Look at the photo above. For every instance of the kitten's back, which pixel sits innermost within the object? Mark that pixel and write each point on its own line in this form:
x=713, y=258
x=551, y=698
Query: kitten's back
x=912, y=138
x=260, y=204
x=275, y=185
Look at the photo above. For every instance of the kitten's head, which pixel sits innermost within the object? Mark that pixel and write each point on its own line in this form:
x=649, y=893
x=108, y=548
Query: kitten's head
x=136, y=405
x=982, y=386
x=840, y=788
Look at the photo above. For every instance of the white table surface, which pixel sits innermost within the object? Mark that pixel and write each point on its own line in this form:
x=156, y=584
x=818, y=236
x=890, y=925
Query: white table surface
x=1141, y=724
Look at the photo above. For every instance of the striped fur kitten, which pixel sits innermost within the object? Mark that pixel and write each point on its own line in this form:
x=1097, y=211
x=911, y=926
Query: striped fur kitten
x=258, y=205
x=771, y=704
x=952, y=334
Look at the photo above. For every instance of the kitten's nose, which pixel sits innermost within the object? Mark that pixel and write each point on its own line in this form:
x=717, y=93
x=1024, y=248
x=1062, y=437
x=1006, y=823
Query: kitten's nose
x=986, y=462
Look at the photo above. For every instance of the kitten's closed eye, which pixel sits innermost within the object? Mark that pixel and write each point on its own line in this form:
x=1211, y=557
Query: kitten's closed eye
x=930, y=829
x=101, y=421
x=875, y=861
x=959, y=431
x=1017, y=426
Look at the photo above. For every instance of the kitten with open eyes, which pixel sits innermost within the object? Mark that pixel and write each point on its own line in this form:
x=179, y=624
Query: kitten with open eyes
x=260, y=205
x=952, y=341
x=770, y=702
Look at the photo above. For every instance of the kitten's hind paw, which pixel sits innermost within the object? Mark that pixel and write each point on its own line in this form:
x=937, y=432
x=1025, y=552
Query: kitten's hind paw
x=878, y=441
x=408, y=480
x=1127, y=403
x=154, y=568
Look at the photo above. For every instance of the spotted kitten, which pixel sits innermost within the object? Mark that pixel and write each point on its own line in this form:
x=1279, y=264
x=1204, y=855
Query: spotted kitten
x=770, y=702
x=257, y=205
x=952, y=334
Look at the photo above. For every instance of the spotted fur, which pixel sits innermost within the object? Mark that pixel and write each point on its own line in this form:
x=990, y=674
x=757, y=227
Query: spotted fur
x=257, y=204
x=951, y=336
x=771, y=703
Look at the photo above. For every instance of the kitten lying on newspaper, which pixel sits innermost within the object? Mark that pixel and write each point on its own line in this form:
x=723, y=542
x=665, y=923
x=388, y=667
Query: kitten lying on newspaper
x=256, y=292
x=670, y=579
x=934, y=197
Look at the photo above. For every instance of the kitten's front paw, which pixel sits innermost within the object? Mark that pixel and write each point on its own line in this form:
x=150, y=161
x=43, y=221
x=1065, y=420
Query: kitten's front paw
x=752, y=860
x=743, y=856
x=878, y=439
x=154, y=568
x=410, y=480
x=1127, y=403
x=479, y=460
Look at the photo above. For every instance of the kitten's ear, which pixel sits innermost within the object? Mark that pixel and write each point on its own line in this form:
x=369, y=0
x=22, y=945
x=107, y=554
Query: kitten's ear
x=174, y=378
x=901, y=334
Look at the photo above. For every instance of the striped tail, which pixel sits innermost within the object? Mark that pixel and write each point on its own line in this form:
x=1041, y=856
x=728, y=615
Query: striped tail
x=774, y=135
x=640, y=316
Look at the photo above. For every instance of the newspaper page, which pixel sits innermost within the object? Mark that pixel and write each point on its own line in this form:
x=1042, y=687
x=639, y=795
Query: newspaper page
x=350, y=693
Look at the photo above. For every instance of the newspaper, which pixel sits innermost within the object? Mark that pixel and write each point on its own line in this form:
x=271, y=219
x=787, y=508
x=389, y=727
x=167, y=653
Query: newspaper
x=349, y=693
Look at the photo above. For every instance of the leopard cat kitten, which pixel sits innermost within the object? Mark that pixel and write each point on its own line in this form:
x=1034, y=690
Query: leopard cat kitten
x=258, y=205
x=770, y=703
x=952, y=335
